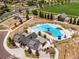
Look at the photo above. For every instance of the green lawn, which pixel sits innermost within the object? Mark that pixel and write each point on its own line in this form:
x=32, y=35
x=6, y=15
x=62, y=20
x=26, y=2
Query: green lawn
x=70, y=9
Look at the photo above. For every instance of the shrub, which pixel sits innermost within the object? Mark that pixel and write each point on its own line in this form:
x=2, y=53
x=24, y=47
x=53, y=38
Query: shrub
x=44, y=36
x=51, y=16
x=15, y=24
x=27, y=17
x=78, y=22
x=27, y=54
x=45, y=15
x=40, y=14
x=34, y=12
x=74, y=21
x=52, y=52
x=48, y=16
x=11, y=43
x=26, y=31
x=39, y=33
x=29, y=50
x=37, y=53
x=70, y=21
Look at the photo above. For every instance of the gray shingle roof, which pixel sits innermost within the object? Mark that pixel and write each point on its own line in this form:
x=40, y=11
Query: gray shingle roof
x=29, y=41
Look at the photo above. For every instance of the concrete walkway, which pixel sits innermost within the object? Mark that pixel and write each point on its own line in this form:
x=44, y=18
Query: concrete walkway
x=43, y=55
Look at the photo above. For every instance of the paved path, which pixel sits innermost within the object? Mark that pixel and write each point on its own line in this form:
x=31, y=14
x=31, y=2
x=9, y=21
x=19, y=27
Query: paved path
x=3, y=53
x=43, y=55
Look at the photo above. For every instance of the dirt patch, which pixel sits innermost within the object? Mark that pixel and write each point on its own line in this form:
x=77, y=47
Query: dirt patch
x=69, y=50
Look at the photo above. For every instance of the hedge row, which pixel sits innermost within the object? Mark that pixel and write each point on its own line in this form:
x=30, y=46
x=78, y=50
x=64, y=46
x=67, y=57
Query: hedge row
x=50, y=16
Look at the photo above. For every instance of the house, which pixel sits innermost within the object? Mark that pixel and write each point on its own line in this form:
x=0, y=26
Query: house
x=30, y=40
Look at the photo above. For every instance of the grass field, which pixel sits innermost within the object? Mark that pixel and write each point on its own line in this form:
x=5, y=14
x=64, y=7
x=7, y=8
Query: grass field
x=70, y=9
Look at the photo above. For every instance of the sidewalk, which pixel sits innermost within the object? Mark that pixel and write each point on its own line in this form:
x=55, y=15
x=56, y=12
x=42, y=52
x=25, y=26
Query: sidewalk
x=43, y=55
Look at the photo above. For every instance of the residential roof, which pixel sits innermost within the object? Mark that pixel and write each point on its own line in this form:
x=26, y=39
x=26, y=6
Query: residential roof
x=30, y=41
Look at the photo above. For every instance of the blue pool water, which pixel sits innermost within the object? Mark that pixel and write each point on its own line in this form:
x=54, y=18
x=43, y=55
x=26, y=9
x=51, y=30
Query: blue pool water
x=46, y=27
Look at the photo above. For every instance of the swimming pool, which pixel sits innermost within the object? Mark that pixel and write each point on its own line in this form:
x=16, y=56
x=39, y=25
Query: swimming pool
x=48, y=27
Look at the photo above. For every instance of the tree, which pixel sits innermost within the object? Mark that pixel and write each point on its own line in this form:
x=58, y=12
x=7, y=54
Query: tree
x=44, y=36
x=10, y=42
x=39, y=33
x=9, y=39
x=27, y=11
x=37, y=53
x=70, y=21
x=20, y=20
x=48, y=16
x=15, y=25
x=29, y=50
x=27, y=14
x=45, y=15
x=74, y=21
x=34, y=12
x=44, y=44
x=13, y=43
x=40, y=14
x=52, y=52
x=26, y=31
x=51, y=16
x=27, y=17
x=78, y=22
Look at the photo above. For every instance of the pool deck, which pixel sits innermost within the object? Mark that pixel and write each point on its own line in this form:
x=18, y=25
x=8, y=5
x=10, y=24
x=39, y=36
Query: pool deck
x=63, y=31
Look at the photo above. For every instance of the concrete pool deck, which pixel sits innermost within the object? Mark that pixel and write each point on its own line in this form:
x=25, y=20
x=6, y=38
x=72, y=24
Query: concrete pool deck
x=65, y=32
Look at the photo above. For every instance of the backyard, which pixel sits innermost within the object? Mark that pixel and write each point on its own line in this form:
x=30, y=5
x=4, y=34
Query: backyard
x=70, y=9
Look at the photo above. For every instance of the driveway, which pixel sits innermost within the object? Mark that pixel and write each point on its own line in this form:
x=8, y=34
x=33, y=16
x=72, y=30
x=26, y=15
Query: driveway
x=3, y=53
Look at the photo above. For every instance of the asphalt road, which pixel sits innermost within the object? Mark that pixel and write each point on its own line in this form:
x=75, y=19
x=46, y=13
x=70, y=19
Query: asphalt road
x=3, y=53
